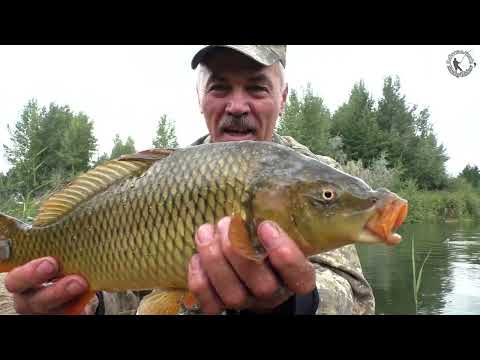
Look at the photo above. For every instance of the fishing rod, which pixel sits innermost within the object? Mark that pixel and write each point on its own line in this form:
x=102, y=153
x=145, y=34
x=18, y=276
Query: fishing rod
x=466, y=52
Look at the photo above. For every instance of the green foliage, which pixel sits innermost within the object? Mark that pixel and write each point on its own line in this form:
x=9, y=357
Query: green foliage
x=438, y=206
x=15, y=203
x=335, y=149
x=411, y=141
x=356, y=124
x=390, y=145
x=78, y=144
x=45, y=142
x=472, y=175
x=165, y=136
x=101, y=159
x=377, y=175
x=290, y=122
x=121, y=148
x=26, y=148
x=307, y=120
x=404, y=137
x=417, y=279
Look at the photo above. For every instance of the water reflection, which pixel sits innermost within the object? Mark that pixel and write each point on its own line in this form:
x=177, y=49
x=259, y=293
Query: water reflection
x=451, y=276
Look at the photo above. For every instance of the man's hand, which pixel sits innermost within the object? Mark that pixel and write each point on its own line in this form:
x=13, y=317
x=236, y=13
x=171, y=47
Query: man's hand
x=221, y=279
x=32, y=296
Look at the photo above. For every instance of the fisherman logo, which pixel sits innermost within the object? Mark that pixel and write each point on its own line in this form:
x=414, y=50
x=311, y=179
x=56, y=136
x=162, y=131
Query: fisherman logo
x=460, y=68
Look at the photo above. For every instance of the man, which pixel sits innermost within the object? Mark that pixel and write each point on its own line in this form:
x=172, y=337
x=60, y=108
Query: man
x=241, y=92
x=456, y=64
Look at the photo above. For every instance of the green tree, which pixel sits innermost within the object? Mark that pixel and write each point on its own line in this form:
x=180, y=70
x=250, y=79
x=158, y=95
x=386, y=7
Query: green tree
x=355, y=123
x=426, y=163
x=307, y=120
x=471, y=173
x=289, y=123
x=53, y=127
x=410, y=141
x=47, y=142
x=78, y=144
x=165, y=136
x=120, y=148
x=26, y=146
x=396, y=121
x=101, y=159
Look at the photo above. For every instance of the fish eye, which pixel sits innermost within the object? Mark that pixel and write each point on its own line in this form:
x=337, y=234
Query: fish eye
x=323, y=198
x=328, y=194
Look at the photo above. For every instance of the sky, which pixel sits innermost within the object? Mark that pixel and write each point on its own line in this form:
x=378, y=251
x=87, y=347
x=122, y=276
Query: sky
x=126, y=89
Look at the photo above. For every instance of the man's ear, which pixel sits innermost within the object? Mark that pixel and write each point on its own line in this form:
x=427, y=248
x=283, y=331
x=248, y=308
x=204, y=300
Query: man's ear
x=284, y=99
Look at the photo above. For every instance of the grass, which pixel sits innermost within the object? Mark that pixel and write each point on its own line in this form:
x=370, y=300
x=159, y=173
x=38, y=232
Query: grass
x=417, y=279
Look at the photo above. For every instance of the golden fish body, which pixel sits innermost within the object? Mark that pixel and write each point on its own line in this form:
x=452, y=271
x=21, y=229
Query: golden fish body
x=130, y=223
x=139, y=232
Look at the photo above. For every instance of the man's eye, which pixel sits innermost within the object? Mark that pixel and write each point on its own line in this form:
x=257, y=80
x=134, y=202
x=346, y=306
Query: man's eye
x=218, y=87
x=257, y=88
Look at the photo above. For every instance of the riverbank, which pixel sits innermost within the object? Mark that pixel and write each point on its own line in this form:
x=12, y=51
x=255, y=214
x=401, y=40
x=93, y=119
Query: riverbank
x=441, y=206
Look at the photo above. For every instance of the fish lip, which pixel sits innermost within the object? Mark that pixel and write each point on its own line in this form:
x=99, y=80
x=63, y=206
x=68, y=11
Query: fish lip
x=367, y=236
x=389, y=214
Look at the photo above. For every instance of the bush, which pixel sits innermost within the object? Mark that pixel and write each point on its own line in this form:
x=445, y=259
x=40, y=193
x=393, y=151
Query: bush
x=435, y=206
x=378, y=175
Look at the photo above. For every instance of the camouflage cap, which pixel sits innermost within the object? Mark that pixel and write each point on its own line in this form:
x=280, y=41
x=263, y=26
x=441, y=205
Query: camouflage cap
x=264, y=54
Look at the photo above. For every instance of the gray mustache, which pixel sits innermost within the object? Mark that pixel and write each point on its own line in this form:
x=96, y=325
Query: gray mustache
x=240, y=123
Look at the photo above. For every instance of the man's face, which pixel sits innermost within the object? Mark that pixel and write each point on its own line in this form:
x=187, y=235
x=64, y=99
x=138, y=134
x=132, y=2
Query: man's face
x=240, y=99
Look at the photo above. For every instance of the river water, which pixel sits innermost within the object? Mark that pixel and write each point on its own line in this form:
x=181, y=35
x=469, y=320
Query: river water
x=450, y=282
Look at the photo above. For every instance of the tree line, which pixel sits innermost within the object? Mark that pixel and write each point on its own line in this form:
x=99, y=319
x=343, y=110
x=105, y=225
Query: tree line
x=366, y=130
x=385, y=141
x=50, y=146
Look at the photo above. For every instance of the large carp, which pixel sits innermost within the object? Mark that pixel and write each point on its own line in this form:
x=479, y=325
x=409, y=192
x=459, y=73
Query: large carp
x=130, y=223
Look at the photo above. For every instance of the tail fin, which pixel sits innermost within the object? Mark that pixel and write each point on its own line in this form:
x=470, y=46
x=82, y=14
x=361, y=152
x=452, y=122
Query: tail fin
x=9, y=227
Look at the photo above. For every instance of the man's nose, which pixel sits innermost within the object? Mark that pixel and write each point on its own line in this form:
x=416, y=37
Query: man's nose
x=238, y=104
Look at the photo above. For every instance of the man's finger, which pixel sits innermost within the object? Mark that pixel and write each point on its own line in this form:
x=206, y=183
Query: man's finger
x=218, y=270
x=199, y=285
x=294, y=268
x=45, y=300
x=259, y=278
x=31, y=275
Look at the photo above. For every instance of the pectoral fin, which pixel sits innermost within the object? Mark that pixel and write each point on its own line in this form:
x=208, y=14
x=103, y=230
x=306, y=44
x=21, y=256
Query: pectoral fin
x=78, y=306
x=166, y=302
x=244, y=241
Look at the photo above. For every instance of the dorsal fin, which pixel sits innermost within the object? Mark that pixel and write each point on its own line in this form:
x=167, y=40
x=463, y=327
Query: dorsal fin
x=85, y=187
x=148, y=155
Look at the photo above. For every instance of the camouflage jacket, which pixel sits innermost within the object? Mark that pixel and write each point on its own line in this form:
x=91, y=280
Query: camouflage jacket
x=341, y=285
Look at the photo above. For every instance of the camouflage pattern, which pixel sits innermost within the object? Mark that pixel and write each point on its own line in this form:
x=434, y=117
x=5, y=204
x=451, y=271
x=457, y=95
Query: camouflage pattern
x=264, y=54
x=341, y=284
x=6, y=298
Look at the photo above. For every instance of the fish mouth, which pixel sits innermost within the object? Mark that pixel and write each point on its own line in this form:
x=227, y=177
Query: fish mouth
x=389, y=215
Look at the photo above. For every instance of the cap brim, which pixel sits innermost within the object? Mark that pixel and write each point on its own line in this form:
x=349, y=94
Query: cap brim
x=199, y=56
